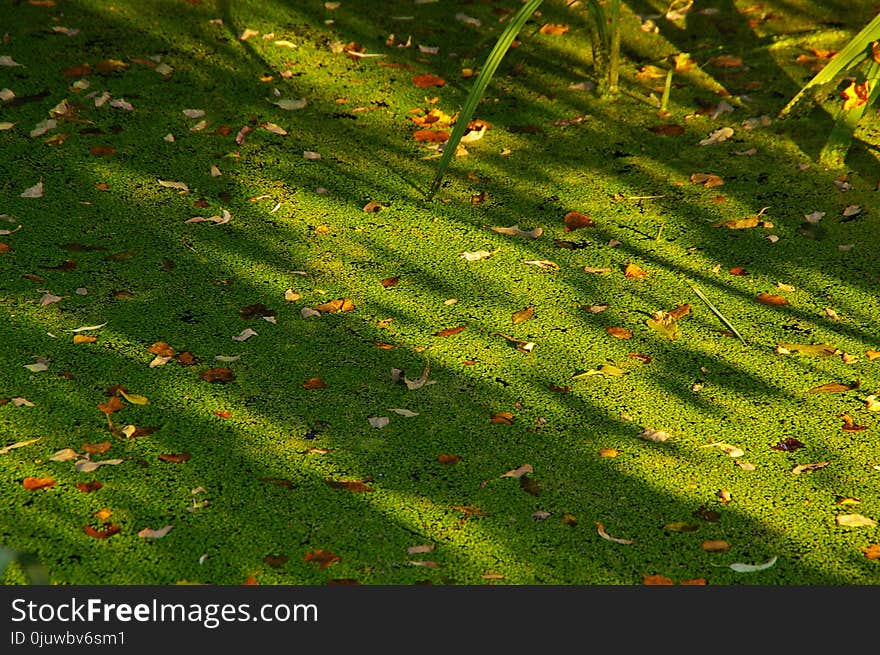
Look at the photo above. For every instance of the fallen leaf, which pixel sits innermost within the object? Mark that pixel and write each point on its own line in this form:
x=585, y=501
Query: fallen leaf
x=35, y=191
x=323, y=558
x=768, y=299
x=64, y=455
x=849, y=424
x=350, y=485
x=789, y=444
x=389, y=282
x=812, y=350
x=175, y=458
x=504, y=418
x=245, y=334
x=608, y=453
x=523, y=315
x=339, y=305
x=314, y=383
x=669, y=129
x=726, y=61
x=553, y=29
x=418, y=550
x=708, y=180
x=104, y=531
x=448, y=459
x=427, y=81
x=856, y=95
x=635, y=272
x=219, y=375
x=807, y=468
x=180, y=186
x=448, y=332
x=833, y=387
x=657, y=436
x=681, y=526
x=601, y=530
x=88, y=487
x=134, y=398
x=476, y=256
x=431, y=136
x=113, y=404
x=575, y=221
x=619, y=332
x=656, y=580
x=276, y=561
x=96, y=448
x=753, y=568
x=872, y=551
x=664, y=323
x=514, y=230
x=855, y=521
x=718, y=136
x=37, y=483
x=519, y=471
x=378, y=421
x=18, y=444
x=740, y=224
x=715, y=546
x=149, y=533
x=543, y=264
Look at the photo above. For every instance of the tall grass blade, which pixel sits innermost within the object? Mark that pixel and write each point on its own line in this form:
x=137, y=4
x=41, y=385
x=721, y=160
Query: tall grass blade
x=834, y=151
x=614, y=47
x=720, y=316
x=479, y=88
x=854, y=52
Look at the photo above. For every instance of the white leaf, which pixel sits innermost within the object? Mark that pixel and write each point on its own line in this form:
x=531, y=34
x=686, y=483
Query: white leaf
x=752, y=568
x=245, y=334
x=215, y=172
x=378, y=421
x=718, y=136
x=650, y=434
x=514, y=230
x=86, y=466
x=19, y=444
x=290, y=103
x=193, y=113
x=852, y=210
x=814, y=217
x=6, y=94
x=164, y=69
x=6, y=60
x=476, y=256
x=601, y=530
x=64, y=455
x=181, y=186
x=308, y=312
x=86, y=328
x=18, y=401
x=403, y=412
x=121, y=103
x=274, y=129
x=429, y=50
x=412, y=385
x=464, y=18
x=227, y=358
x=519, y=471
x=168, y=137
x=855, y=521
x=102, y=99
x=726, y=448
x=543, y=264
x=311, y=155
x=48, y=299
x=149, y=533
x=35, y=191
x=159, y=360
x=39, y=367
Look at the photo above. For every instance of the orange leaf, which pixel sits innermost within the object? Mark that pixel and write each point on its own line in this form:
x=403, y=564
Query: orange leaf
x=37, y=483
x=633, y=271
x=695, y=581
x=427, y=81
x=715, y=546
x=162, y=349
x=505, y=418
x=872, y=354
x=447, y=459
x=106, y=531
x=738, y=270
x=223, y=413
x=220, y=375
x=680, y=312
x=5, y=247
x=656, y=580
x=186, y=358
x=350, y=485
x=448, y=332
x=554, y=29
x=88, y=487
x=113, y=404
x=872, y=551
x=708, y=180
x=431, y=136
x=768, y=299
x=96, y=448
x=523, y=315
x=338, y=305
x=856, y=95
x=84, y=338
x=175, y=458
x=576, y=220
x=389, y=282
x=619, y=332
x=314, y=383
x=608, y=452
x=849, y=425
x=324, y=558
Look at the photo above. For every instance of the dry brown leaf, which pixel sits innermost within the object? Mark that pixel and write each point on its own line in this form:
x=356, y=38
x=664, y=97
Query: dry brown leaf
x=113, y=404
x=726, y=61
x=708, y=180
x=519, y=471
x=557, y=29
x=651, y=580
x=448, y=332
x=350, y=485
x=427, y=81
x=833, y=387
x=314, y=383
x=448, y=459
x=431, y=136
x=339, y=305
x=323, y=558
x=218, y=375
x=740, y=223
x=504, y=418
x=162, y=349
x=601, y=530
x=807, y=468
x=576, y=220
x=715, y=546
x=872, y=551
x=619, y=332
x=390, y=282
x=175, y=458
x=849, y=424
x=104, y=531
x=37, y=483
x=635, y=272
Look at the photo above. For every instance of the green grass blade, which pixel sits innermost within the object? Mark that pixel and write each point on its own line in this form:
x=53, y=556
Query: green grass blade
x=854, y=52
x=834, y=151
x=479, y=88
x=717, y=313
x=614, y=48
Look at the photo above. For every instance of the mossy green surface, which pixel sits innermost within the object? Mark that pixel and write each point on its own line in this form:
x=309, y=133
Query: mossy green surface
x=264, y=469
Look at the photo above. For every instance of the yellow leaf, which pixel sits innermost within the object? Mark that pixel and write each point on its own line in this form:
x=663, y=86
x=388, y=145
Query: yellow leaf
x=856, y=95
x=134, y=398
x=523, y=315
x=665, y=324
